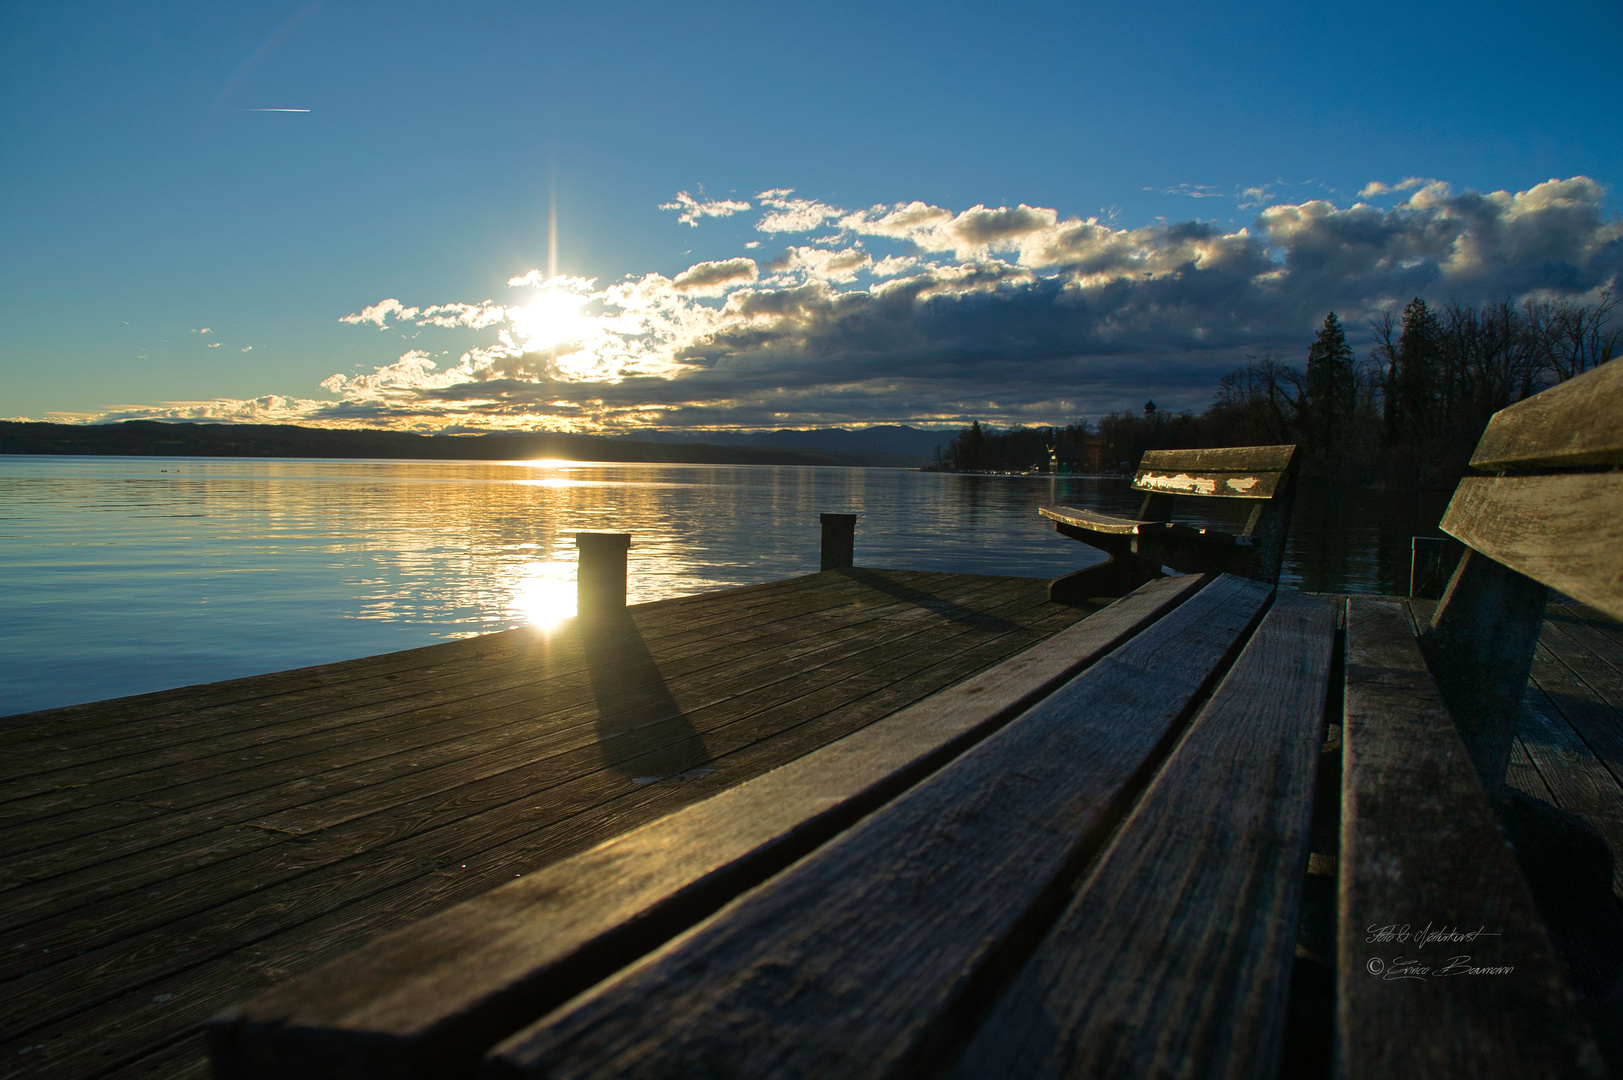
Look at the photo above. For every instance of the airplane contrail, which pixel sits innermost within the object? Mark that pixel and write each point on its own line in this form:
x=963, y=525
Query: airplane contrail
x=276, y=110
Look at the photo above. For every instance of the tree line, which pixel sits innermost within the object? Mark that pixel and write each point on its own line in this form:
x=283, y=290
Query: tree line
x=1408, y=413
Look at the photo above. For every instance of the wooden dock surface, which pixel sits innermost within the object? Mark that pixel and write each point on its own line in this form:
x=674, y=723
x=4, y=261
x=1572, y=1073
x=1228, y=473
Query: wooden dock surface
x=165, y=855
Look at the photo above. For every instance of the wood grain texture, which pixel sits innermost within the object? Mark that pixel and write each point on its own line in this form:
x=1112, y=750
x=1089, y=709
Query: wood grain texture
x=1160, y=532
x=1578, y=422
x=338, y=866
x=428, y=1001
x=1573, y=778
x=1524, y=776
x=1174, y=959
x=1565, y=531
x=1420, y=848
x=861, y=957
x=127, y=954
x=524, y=729
x=1224, y=458
x=1091, y=520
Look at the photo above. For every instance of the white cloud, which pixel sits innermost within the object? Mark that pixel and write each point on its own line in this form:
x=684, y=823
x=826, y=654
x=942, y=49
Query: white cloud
x=196, y=330
x=214, y=344
x=933, y=315
x=1375, y=187
x=822, y=263
x=692, y=209
x=246, y=348
x=1193, y=191
x=267, y=409
x=715, y=278
x=792, y=215
x=474, y=316
x=378, y=314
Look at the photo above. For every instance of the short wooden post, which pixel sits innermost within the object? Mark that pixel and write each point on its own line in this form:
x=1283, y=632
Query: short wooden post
x=839, y=541
x=600, y=580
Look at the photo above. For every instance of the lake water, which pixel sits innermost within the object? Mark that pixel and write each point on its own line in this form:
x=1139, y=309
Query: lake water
x=124, y=575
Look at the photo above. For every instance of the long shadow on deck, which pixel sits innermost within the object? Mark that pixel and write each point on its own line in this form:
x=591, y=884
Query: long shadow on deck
x=641, y=730
x=980, y=620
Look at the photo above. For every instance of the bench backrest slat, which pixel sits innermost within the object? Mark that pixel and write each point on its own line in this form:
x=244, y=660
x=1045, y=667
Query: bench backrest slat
x=1564, y=531
x=1235, y=472
x=1578, y=422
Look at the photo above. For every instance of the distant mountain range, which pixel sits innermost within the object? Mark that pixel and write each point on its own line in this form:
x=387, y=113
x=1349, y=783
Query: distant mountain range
x=902, y=447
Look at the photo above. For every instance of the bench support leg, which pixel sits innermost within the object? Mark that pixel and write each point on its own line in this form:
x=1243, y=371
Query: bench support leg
x=1480, y=649
x=1118, y=576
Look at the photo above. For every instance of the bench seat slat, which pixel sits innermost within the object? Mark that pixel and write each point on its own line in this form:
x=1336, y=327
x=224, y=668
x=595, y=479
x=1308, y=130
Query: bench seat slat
x=429, y=1000
x=1174, y=959
x=1565, y=531
x=1419, y=847
x=856, y=960
x=1111, y=525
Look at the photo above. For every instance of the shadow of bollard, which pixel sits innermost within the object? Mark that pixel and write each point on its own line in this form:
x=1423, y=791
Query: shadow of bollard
x=641, y=730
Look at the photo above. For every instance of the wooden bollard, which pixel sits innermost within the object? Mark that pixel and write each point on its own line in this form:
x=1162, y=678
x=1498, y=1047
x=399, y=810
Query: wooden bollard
x=600, y=579
x=839, y=541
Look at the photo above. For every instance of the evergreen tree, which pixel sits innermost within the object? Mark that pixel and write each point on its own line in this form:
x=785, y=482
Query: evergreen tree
x=1332, y=390
x=1418, y=373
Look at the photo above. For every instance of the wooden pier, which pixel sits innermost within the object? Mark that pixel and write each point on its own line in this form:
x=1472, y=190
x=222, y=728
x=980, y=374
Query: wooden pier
x=166, y=855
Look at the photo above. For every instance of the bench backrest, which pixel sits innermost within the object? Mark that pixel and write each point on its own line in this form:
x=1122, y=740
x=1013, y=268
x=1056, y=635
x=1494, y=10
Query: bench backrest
x=1552, y=516
x=1548, y=513
x=1235, y=472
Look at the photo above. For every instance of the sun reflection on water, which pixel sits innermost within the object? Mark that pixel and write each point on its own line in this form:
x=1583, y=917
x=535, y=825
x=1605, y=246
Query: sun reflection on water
x=544, y=594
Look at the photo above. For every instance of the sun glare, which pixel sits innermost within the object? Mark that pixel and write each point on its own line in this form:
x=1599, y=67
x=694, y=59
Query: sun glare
x=545, y=595
x=552, y=318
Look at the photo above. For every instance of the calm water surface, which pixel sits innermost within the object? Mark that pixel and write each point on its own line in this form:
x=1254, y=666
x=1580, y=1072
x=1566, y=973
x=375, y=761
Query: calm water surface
x=124, y=575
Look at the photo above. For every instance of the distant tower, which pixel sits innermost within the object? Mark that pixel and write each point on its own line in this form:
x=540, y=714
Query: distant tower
x=1149, y=409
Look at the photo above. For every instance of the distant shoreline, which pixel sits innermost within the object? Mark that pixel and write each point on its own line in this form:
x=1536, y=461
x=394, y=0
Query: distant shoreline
x=149, y=438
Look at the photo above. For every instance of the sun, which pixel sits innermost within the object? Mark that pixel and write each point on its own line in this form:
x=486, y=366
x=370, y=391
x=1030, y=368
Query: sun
x=552, y=318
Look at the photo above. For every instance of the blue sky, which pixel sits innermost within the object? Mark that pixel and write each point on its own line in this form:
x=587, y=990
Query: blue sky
x=147, y=200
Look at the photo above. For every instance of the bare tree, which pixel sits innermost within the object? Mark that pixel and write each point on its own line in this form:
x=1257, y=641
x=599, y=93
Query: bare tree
x=1571, y=337
x=1383, y=358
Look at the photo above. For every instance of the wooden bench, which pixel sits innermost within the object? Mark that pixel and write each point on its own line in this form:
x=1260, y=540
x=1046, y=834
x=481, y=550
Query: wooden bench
x=1089, y=860
x=1138, y=547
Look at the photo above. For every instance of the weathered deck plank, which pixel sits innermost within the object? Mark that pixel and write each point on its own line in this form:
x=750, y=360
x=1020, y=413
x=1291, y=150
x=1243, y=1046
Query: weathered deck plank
x=527, y=748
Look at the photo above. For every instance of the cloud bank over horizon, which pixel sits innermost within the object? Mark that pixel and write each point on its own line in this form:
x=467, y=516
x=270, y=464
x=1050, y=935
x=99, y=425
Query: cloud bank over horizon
x=914, y=313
